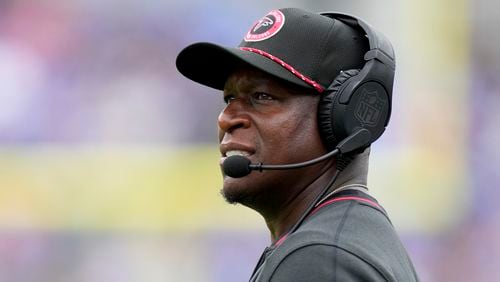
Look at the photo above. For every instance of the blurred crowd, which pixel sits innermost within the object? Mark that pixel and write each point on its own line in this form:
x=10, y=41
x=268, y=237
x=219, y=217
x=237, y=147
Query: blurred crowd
x=81, y=72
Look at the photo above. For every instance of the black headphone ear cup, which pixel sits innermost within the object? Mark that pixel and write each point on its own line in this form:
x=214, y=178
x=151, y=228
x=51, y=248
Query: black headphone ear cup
x=326, y=108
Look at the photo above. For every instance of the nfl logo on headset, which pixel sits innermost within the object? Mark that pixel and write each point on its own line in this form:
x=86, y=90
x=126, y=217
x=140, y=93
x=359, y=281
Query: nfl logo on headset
x=369, y=107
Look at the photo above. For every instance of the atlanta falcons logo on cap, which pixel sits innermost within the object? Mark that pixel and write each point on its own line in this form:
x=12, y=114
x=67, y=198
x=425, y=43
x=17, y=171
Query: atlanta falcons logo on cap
x=266, y=27
x=264, y=22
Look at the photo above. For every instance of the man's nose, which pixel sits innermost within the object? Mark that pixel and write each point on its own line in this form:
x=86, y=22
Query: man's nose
x=233, y=116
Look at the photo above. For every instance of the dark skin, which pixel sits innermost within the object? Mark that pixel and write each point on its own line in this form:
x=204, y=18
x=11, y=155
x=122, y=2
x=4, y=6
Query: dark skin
x=273, y=122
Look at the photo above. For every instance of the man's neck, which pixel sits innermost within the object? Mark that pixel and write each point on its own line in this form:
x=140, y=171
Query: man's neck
x=283, y=219
x=355, y=173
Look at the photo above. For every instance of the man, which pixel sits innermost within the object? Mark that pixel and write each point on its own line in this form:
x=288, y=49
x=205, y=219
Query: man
x=299, y=86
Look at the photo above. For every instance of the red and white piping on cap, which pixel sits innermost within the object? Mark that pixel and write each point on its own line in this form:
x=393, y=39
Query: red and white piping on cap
x=291, y=69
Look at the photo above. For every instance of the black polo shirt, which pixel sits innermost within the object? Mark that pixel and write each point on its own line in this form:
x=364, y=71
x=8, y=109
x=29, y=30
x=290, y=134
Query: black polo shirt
x=346, y=238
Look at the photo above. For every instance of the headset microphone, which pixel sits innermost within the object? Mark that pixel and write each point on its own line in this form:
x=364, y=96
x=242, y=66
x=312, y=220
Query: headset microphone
x=239, y=166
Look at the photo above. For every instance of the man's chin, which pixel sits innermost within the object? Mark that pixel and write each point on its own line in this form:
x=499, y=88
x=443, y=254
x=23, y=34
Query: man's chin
x=236, y=193
x=233, y=196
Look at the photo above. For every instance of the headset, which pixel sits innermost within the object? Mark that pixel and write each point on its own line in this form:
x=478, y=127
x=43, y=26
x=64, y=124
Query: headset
x=354, y=110
x=359, y=99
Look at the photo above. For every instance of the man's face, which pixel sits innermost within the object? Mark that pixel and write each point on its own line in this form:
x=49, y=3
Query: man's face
x=273, y=122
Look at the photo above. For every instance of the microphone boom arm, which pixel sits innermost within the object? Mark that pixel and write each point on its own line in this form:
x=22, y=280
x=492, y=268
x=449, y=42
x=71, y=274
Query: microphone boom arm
x=260, y=167
x=239, y=166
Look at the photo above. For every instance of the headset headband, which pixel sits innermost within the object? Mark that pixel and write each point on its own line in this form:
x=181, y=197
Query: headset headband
x=376, y=76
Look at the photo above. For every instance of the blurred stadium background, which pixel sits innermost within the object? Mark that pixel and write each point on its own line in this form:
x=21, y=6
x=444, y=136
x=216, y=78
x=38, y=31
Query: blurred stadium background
x=108, y=157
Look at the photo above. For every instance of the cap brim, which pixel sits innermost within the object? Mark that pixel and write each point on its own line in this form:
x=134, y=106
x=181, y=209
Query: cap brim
x=211, y=64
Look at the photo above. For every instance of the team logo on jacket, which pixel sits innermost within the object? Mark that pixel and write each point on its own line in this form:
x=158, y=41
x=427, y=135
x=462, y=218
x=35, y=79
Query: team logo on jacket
x=266, y=27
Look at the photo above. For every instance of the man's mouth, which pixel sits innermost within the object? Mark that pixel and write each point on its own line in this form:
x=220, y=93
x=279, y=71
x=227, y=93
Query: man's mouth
x=237, y=153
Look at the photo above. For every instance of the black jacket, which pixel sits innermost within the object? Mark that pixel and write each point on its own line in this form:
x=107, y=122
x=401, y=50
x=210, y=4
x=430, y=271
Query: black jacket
x=348, y=238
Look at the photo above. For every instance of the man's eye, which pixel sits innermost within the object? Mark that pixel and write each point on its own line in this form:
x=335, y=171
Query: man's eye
x=228, y=99
x=262, y=96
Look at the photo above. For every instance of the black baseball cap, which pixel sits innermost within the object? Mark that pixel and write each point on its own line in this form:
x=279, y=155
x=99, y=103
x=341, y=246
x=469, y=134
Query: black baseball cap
x=301, y=47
